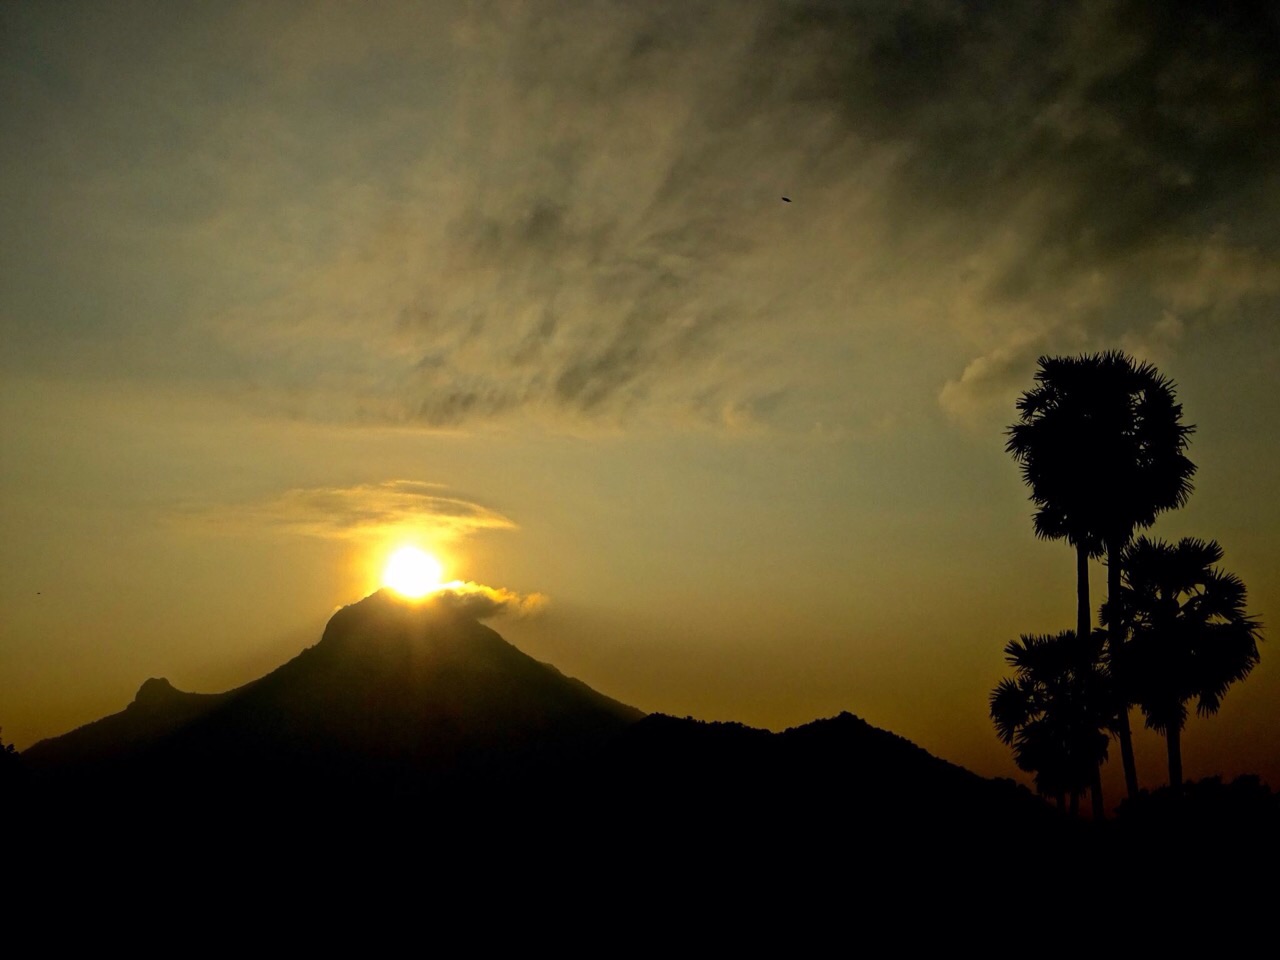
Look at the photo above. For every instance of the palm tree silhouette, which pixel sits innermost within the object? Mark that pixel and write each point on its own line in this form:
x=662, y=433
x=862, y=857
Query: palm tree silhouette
x=1055, y=712
x=1190, y=637
x=1101, y=443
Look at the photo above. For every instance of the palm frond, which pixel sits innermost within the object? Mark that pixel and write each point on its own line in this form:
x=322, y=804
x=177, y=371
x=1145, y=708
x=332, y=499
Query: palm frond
x=1056, y=708
x=1191, y=635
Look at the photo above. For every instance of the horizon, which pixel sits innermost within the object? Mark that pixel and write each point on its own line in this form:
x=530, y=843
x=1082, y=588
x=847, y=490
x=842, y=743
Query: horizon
x=686, y=336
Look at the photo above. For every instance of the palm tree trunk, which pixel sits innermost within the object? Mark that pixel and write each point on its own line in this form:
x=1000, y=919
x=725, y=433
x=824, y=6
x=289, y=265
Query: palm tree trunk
x=1099, y=808
x=1084, y=611
x=1083, y=608
x=1115, y=639
x=1173, y=738
x=1125, y=736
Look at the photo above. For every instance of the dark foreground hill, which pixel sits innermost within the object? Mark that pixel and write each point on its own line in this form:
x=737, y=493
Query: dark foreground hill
x=412, y=754
x=413, y=724
x=395, y=699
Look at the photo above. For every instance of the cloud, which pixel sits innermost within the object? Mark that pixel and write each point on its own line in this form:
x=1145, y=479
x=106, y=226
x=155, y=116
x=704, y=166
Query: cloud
x=357, y=512
x=989, y=381
x=570, y=213
x=574, y=254
x=480, y=601
x=604, y=255
x=374, y=511
x=1133, y=122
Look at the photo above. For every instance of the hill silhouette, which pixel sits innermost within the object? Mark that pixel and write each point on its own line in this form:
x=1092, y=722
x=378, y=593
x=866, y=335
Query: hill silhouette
x=406, y=717
x=396, y=696
x=413, y=738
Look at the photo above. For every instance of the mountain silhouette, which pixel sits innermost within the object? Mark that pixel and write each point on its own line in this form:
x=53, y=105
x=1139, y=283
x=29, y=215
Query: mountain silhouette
x=396, y=697
x=158, y=710
x=409, y=716
x=412, y=749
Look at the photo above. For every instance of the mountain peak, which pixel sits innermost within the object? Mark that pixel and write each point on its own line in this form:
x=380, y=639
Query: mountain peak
x=155, y=691
x=407, y=694
x=404, y=705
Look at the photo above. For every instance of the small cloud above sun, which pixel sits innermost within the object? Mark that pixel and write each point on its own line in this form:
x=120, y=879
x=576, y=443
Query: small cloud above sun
x=413, y=573
x=418, y=575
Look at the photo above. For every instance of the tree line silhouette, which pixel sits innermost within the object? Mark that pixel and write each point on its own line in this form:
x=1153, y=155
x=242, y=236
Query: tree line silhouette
x=1101, y=443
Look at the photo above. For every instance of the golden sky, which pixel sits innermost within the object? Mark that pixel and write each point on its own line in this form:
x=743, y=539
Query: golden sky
x=284, y=283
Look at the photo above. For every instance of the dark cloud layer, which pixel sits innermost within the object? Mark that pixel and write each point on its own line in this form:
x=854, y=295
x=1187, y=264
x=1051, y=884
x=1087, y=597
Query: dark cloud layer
x=573, y=210
x=1144, y=119
x=1104, y=135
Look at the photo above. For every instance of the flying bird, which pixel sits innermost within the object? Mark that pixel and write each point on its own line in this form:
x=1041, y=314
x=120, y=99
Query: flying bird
x=786, y=199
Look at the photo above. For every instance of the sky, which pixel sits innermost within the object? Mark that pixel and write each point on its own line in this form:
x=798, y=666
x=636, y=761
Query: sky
x=284, y=286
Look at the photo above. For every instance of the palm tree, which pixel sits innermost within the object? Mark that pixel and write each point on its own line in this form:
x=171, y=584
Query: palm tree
x=1190, y=637
x=1101, y=443
x=1055, y=712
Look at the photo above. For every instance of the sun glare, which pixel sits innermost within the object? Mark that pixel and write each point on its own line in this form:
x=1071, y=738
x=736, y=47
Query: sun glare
x=413, y=573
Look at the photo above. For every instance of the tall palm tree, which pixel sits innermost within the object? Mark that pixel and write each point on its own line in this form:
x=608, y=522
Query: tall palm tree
x=1190, y=636
x=1055, y=712
x=1101, y=443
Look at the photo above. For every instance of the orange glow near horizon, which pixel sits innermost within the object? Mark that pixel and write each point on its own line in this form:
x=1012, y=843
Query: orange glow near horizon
x=413, y=573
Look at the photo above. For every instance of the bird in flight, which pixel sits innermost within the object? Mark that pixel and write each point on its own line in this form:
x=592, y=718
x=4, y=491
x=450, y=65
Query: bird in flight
x=786, y=199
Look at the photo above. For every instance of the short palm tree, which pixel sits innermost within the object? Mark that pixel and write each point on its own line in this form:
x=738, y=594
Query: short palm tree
x=1055, y=712
x=1101, y=443
x=1190, y=634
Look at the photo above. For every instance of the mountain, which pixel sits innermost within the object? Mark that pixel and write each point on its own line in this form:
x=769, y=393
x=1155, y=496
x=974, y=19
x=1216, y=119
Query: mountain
x=158, y=710
x=836, y=783
x=406, y=716
x=413, y=750
x=397, y=697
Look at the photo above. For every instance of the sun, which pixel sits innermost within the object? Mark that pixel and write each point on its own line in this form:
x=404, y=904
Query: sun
x=412, y=573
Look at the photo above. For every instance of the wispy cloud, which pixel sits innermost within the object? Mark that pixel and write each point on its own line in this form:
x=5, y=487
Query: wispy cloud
x=571, y=213
x=376, y=512
x=358, y=512
x=480, y=601
x=988, y=380
x=610, y=238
